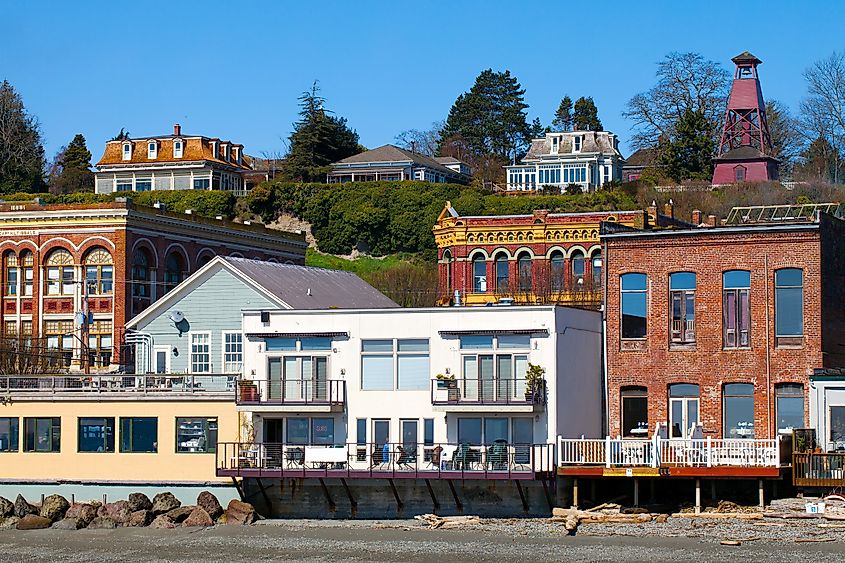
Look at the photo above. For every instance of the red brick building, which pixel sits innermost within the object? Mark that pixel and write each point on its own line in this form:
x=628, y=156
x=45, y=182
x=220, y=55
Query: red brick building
x=721, y=326
x=115, y=259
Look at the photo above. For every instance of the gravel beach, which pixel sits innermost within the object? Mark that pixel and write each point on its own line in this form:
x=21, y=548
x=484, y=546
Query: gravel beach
x=410, y=540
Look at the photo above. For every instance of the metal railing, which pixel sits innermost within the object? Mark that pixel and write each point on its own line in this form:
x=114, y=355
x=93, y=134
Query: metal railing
x=487, y=392
x=291, y=392
x=118, y=383
x=435, y=460
x=657, y=452
x=818, y=470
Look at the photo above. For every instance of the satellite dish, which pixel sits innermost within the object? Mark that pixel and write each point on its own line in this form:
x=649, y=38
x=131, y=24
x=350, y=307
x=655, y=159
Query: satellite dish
x=177, y=316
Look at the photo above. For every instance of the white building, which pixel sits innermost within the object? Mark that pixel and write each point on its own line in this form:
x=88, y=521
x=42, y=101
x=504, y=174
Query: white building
x=368, y=379
x=392, y=163
x=587, y=159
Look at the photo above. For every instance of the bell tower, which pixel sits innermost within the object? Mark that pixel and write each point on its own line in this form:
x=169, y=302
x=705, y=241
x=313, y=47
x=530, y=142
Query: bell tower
x=745, y=148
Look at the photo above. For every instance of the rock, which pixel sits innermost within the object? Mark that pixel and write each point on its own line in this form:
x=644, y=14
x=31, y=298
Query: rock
x=239, y=512
x=164, y=502
x=102, y=523
x=139, y=501
x=198, y=517
x=140, y=518
x=162, y=522
x=54, y=507
x=22, y=508
x=178, y=515
x=9, y=522
x=83, y=512
x=33, y=522
x=221, y=519
x=7, y=508
x=68, y=524
x=118, y=511
x=661, y=518
x=208, y=502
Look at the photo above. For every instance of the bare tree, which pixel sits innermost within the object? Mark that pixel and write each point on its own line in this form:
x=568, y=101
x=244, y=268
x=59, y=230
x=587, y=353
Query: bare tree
x=22, y=356
x=786, y=136
x=421, y=142
x=685, y=81
x=823, y=110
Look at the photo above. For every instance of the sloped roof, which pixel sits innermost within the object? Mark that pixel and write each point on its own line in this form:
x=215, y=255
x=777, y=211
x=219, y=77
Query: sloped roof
x=642, y=157
x=195, y=148
x=593, y=142
x=744, y=152
x=392, y=153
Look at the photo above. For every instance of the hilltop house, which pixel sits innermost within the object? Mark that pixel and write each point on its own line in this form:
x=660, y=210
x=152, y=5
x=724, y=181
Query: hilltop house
x=389, y=162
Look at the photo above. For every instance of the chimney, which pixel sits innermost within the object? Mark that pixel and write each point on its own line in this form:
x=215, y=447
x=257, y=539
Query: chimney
x=696, y=217
x=177, y=129
x=652, y=209
x=711, y=220
x=669, y=209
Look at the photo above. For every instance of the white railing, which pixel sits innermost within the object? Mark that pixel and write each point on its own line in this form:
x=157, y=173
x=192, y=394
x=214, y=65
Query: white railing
x=661, y=452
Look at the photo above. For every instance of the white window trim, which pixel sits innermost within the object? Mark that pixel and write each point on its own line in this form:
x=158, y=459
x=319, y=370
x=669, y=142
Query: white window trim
x=126, y=154
x=223, y=362
x=577, y=143
x=191, y=351
x=167, y=358
x=181, y=151
x=152, y=153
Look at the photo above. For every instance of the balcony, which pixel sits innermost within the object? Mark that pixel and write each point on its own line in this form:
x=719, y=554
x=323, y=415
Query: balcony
x=300, y=395
x=473, y=395
x=66, y=387
x=500, y=460
x=818, y=470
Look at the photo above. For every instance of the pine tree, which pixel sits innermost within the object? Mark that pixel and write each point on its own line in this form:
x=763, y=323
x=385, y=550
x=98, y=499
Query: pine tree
x=122, y=136
x=688, y=155
x=586, y=115
x=318, y=139
x=72, y=172
x=21, y=152
x=563, y=115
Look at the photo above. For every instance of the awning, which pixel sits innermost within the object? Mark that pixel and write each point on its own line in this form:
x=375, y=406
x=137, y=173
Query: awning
x=496, y=332
x=297, y=335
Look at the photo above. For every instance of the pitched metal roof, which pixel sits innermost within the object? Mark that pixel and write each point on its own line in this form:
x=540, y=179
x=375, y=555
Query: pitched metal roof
x=392, y=153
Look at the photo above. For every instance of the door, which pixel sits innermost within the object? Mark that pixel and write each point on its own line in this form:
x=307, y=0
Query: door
x=410, y=437
x=274, y=379
x=381, y=439
x=161, y=359
x=522, y=438
x=274, y=430
x=683, y=413
x=319, y=378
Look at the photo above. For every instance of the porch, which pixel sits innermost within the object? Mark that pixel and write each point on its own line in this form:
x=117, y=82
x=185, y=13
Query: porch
x=117, y=386
x=822, y=470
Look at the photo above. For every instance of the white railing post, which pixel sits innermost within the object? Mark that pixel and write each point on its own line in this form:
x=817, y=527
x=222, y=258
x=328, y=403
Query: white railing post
x=655, y=450
x=607, y=451
x=709, y=451
x=777, y=451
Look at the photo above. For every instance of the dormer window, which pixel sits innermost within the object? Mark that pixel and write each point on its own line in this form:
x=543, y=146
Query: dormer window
x=214, y=149
x=152, y=150
x=225, y=152
x=555, y=145
x=127, y=151
x=576, y=144
x=178, y=148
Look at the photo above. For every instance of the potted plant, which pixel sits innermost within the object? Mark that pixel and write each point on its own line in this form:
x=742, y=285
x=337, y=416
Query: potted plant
x=247, y=391
x=448, y=383
x=535, y=383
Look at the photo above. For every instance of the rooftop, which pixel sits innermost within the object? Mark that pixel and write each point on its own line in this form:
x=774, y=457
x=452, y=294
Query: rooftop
x=392, y=153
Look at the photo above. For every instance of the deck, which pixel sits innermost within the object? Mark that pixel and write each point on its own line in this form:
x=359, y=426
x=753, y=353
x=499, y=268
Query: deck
x=99, y=387
x=823, y=470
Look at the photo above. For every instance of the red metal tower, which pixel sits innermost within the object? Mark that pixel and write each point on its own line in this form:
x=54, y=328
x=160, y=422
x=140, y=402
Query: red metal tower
x=745, y=149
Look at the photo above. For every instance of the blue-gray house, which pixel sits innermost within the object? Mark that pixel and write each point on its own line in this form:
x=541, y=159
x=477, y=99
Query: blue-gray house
x=196, y=327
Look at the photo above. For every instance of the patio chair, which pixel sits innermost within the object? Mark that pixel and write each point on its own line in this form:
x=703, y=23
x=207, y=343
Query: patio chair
x=295, y=456
x=436, y=453
x=497, y=455
x=404, y=458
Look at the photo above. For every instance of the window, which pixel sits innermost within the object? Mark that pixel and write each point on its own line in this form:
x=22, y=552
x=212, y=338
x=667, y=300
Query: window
x=524, y=270
x=738, y=408
x=141, y=274
x=96, y=434
x=361, y=431
x=127, y=151
x=837, y=425
x=502, y=273
x=60, y=341
x=322, y=431
x=634, y=412
x=428, y=431
x=576, y=143
x=577, y=260
x=123, y=184
x=200, y=352
x=10, y=328
x=283, y=344
x=297, y=431
x=139, y=435
x=27, y=262
x=100, y=343
x=174, y=271
x=683, y=409
x=789, y=406
x=178, y=148
x=298, y=378
x=403, y=361
x=494, y=377
x=233, y=352
x=596, y=270
x=98, y=272
x=736, y=311
x=11, y=265
x=143, y=184
x=9, y=435
x=60, y=278
x=202, y=183
x=479, y=274
x=196, y=435
x=633, y=296
x=469, y=431
x=682, y=307
x=557, y=271
x=789, y=304
x=152, y=150
x=739, y=174
x=42, y=434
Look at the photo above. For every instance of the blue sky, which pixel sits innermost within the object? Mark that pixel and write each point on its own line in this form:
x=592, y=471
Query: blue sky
x=235, y=69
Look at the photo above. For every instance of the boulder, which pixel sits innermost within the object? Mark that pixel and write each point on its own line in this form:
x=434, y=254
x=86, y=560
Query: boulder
x=140, y=518
x=102, y=523
x=208, y=502
x=164, y=502
x=178, y=515
x=239, y=512
x=139, y=501
x=83, y=512
x=198, y=517
x=54, y=507
x=118, y=511
x=9, y=523
x=68, y=524
x=22, y=508
x=7, y=508
x=162, y=522
x=33, y=522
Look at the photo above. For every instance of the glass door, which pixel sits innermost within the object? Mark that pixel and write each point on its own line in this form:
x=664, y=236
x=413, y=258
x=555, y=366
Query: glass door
x=319, y=378
x=274, y=379
x=522, y=438
x=410, y=437
x=381, y=439
x=682, y=415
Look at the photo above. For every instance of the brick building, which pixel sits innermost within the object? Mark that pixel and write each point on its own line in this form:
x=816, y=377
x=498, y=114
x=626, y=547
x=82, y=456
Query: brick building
x=721, y=326
x=113, y=259
x=539, y=258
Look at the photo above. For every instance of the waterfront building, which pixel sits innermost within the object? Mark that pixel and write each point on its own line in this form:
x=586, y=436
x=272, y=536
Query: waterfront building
x=72, y=275
x=391, y=163
x=172, y=162
x=584, y=159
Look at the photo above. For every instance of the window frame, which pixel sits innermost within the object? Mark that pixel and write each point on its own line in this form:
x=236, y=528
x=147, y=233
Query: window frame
x=796, y=339
x=224, y=344
x=207, y=433
x=126, y=151
x=14, y=431
x=105, y=437
x=741, y=314
x=180, y=151
x=730, y=394
x=479, y=282
x=683, y=335
x=637, y=291
x=525, y=272
x=130, y=421
x=637, y=392
x=55, y=434
x=191, y=352
x=152, y=150
x=396, y=355
x=786, y=390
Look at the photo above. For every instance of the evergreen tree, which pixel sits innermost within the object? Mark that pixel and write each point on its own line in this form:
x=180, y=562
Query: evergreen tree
x=586, y=115
x=318, y=139
x=21, y=153
x=122, y=136
x=563, y=115
x=72, y=171
x=536, y=129
x=688, y=155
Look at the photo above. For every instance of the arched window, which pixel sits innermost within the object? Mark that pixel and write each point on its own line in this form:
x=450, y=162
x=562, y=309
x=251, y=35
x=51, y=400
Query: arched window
x=789, y=304
x=60, y=273
x=174, y=271
x=479, y=274
x=736, y=309
x=447, y=260
x=577, y=260
x=524, y=268
x=596, y=267
x=633, y=295
x=738, y=409
x=557, y=272
x=634, y=411
x=502, y=273
x=683, y=409
x=99, y=272
x=206, y=257
x=10, y=264
x=682, y=307
x=141, y=274
x=26, y=261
